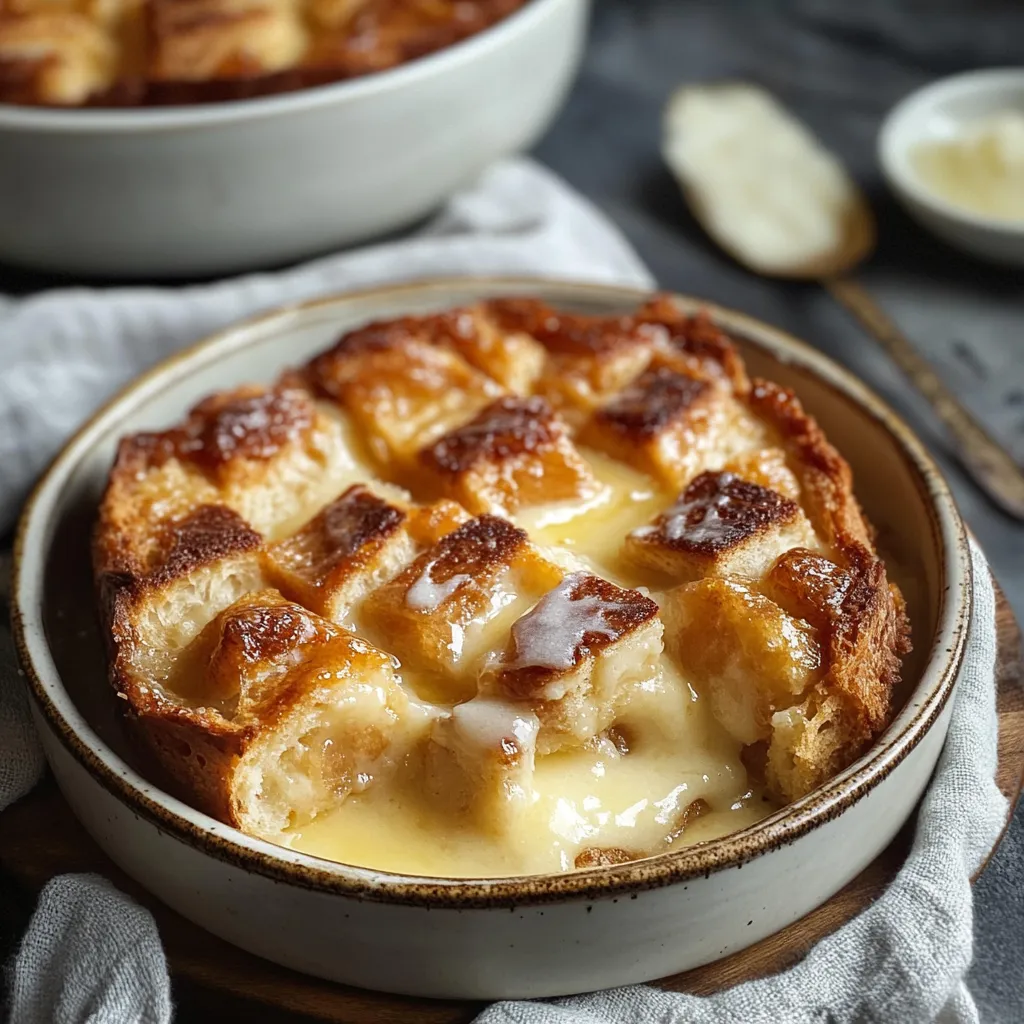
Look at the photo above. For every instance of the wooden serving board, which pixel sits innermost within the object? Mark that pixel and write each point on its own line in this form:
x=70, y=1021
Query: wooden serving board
x=40, y=838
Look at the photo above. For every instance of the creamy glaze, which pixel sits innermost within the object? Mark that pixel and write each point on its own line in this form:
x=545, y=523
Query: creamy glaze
x=591, y=797
x=708, y=529
x=426, y=595
x=550, y=635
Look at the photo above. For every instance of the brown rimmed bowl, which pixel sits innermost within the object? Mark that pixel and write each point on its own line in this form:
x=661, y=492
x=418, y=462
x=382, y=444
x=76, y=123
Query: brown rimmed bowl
x=493, y=938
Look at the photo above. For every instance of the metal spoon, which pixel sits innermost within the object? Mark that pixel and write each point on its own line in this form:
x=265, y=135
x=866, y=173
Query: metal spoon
x=767, y=192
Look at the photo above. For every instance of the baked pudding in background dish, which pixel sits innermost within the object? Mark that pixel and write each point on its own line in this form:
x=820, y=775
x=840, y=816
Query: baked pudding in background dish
x=498, y=591
x=146, y=52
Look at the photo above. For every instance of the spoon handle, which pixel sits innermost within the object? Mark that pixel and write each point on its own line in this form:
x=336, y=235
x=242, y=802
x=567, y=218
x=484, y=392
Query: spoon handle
x=991, y=466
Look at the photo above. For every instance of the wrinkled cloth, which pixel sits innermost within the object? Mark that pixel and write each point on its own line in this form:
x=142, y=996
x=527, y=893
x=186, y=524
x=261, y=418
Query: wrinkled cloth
x=92, y=954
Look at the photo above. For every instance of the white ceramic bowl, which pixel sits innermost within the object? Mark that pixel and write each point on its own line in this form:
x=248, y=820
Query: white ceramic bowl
x=532, y=936
x=937, y=112
x=222, y=187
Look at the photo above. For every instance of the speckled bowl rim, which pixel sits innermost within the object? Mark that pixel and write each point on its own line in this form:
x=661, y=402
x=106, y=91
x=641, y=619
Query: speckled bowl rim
x=227, y=844
x=99, y=120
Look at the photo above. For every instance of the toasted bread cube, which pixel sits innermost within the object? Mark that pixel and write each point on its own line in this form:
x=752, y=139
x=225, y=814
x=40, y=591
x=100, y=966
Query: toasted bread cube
x=809, y=586
x=145, y=498
x=721, y=526
x=274, y=490
x=742, y=652
x=269, y=454
x=767, y=467
x=203, y=39
x=54, y=56
x=277, y=714
x=211, y=560
x=515, y=453
x=694, y=344
x=338, y=720
x=861, y=617
x=403, y=390
x=512, y=358
x=809, y=744
x=443, y=612
x=576, y=656
x=429, y=523
x=479, y=764
x=589, y=358
x=662, y=424
x=353, y=545
x=673, y=426
x=238, y=661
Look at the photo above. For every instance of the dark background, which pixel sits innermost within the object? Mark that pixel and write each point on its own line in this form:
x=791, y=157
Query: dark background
x=841, y=65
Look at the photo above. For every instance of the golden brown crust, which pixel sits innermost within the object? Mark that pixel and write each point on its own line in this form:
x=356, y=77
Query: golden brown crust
x=156, y=52
x=343, y=542
x=402, y=388
x=235, y=552
x=696, y=343
x=569, y=334
x=428, y=612
x=657, y=400
x=260, y=662
x=513, y=453
x=673, y=424
x=250, y=423
x=509, y=428
x=589, y=358
x=575, y=622
x=718, y=511
x=824, y=475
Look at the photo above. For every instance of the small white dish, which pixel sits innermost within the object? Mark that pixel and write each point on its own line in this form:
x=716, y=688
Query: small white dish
x=938, y=112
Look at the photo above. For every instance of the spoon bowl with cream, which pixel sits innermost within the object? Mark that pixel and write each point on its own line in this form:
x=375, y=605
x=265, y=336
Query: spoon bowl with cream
x=953, y=153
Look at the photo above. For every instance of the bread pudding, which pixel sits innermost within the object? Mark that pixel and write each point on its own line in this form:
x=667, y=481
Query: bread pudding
x=131, y=52
x=497, y=591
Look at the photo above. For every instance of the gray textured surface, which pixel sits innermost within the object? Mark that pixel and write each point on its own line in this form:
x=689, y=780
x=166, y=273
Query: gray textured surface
x=841, y=65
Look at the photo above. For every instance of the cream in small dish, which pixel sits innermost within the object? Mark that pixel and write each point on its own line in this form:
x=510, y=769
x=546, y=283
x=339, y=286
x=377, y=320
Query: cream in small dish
x=521, y=935
x=954, y=154
x=981, y=168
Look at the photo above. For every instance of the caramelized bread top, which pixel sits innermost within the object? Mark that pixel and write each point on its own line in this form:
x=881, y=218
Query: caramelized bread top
x=130, y=52
x=433, y=510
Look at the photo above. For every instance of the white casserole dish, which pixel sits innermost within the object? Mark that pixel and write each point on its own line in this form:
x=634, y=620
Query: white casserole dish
x=520, y=937
x=209, y=189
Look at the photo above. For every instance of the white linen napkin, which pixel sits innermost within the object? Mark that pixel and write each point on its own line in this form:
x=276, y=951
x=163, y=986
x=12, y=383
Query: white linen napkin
x=902, y=960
